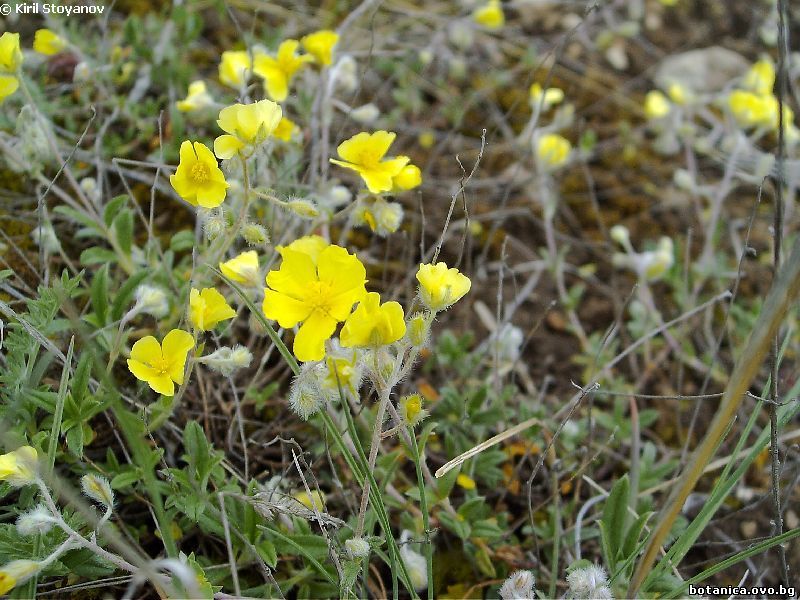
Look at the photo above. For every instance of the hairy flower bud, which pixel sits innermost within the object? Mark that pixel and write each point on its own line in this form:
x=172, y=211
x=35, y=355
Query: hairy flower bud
x=98, y=489
x=36, y=521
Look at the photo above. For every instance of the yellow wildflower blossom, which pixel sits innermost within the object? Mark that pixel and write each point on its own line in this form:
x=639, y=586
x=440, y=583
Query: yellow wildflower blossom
x=315, y=500
x=16, y=572
x=753, y=110
x=161, y=364
x=207, y=308
x=545, y=98
x=656, y=105
x=10, y=53
x=48, y=42
x=198, y=98
x=19, y=467
x=761, y=77
x=246, y=125
x=242, y=268
x=465, y=481
x=373, y=324
x=277, y=71
x=490, y=15
x=312, y=245
x=234, y=68
x=320, y=45
x=411, y=411
x=440, y=286
x=199, y=179
x=317, y=293
x=364, y=152
x=552, y=151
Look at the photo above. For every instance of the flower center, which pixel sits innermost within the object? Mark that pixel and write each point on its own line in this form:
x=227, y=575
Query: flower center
x=319, y=295
x=161, y=365
x=200, y=173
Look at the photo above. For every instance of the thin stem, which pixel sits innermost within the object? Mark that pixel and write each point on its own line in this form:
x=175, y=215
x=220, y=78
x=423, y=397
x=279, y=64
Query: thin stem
x=423, y=504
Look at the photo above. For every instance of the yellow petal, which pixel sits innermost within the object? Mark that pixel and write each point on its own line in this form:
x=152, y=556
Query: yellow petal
x=147, y=350
x=8, y=85
x=286, y=310
x=142, y=371
x=309, y=344
x=176, y=345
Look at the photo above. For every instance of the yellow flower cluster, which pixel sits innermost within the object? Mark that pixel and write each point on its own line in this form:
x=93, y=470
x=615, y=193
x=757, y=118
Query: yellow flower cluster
x=552, y=151
x=278, y=70
x=755, y=105
x=364, y=153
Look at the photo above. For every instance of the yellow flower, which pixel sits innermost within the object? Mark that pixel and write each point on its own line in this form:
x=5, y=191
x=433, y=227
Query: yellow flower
x=753, y=110
x=48, y=42
x=408, y=178
x=8, y=85
x=285, y=130
x=320, y=45
x=341, y=369
x=678, y=93
x=161, y=364
x=411, y=411
x=319, y=293
x=441, y=287
x=656, y=105
x=315, y=500
x=198, y=98
x=207, y=308
x=465, y=481
x=242, y=268
x=373, y=324
x=382, y=217
x=16, y=572
x=761, y=77
x=552, y=150
x=199, y=179
x=19, y=467
x=490, y=16
x=246, y=125
x=10, y=54
x=363, y=153
x=545, y=98
x=277, y=71
x=234, y=68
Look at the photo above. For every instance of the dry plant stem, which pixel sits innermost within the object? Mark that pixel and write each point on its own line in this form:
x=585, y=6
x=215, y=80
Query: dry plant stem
x=385, y=392
x=558, y=273
x=783, y=293
x=772, y=407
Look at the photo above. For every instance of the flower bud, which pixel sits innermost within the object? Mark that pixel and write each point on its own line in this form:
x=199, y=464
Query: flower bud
x=356, y=548
x=45, y=237
x=254, y=234
x=305, y=395
x=98, y=489
x=365, y=114
x=20, y=467
x=214, y=225
x=227, y=360
x=518, y=586
x=15, y=573
x=418, y=330
x=620, y=234
x=303, y=208
x=411, y=411
x=415, y=563
x=588, y=582
x=461, y=35
x=151, y=300
x=36, y=521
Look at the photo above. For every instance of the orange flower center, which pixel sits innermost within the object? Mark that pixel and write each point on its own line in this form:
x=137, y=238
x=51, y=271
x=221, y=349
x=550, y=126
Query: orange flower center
x=200, y=173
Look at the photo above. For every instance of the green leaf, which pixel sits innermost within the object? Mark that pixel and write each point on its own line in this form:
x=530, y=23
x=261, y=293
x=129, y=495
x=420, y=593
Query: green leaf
x=615, y=517
x=97, y=256
x=183, y=240
x=123, y=229
x=79, y=217
x=99, y=294
x=112, y=208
